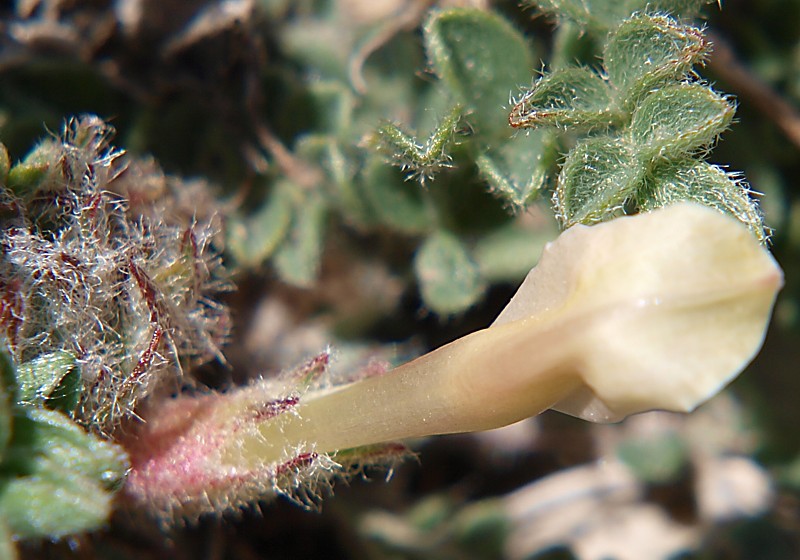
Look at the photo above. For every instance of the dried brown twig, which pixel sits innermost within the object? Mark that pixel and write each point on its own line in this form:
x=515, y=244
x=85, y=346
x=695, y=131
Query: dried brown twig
x=751, y=88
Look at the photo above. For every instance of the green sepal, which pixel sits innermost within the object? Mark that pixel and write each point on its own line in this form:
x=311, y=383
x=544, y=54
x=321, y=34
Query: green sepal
x=25, y=178
x=708, y=184
x=297, y=259
x=679, y=119
x=481, y=58
x=647, y=51
x=516, y=171
x=252, y=239
x=67, y=394
x=449, y=279
x=599, y=175
x=570, y=97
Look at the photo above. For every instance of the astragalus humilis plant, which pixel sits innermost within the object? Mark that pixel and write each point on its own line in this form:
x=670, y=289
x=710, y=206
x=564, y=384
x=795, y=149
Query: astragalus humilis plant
x=617, y=318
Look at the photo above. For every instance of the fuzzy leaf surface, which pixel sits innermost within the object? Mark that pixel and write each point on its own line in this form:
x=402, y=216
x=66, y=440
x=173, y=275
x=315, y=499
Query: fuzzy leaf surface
x=62, y=476
x=481, y=58
x=707, y=184
x=679, y=119
x=599, y=175
x=646, y=51
x=602, y=15
x=517, y=170
x=43, y=437
x=39, y=378
x=53, y=505
x=420, y=160
x=569, y=97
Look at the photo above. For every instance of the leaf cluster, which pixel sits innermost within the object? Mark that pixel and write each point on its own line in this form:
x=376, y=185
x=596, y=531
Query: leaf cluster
x=55, y=478
x=646, y=125
x=434, y=162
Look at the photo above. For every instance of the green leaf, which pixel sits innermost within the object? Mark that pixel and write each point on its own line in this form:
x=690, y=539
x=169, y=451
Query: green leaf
x=599, y=175
x=330, y=154
x=39, y=378
x=449, y=279
x=297, y=259
x=53, y=505
x=517, y=170
x=483, y=527
x=602, y=15
x=332, y=104
x=253, y=239
x=647, y=51
x=586, y=13
x=570, y=97
x=43, y=438
x=508, y=253
x=60, y=478
x=678, y=119
x=707, y=184
x=655, y=460
x=481, y=59
x=400, y=204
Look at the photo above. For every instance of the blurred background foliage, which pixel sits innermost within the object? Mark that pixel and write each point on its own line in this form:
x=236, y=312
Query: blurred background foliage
x=373, y=197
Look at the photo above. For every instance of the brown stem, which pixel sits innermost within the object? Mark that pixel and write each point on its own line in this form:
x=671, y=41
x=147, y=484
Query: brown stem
x=407, y=18
x=302, y=174
x=747, y=85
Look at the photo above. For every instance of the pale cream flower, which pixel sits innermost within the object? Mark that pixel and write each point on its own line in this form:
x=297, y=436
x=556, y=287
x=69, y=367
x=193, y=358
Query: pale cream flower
x=654, y=311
